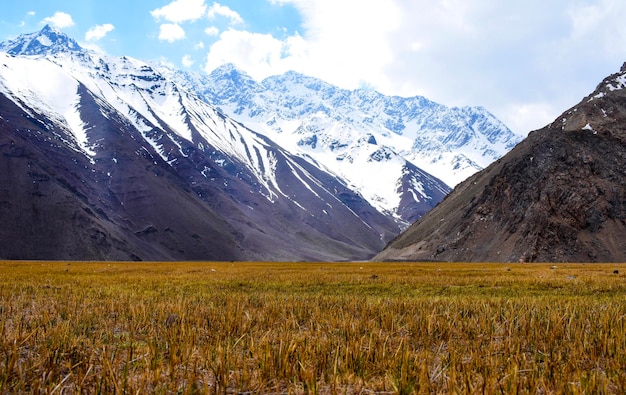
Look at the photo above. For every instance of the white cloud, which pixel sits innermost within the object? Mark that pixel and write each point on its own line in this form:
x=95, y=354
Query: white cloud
x=180, y=11
x=187, y=61
x=92, y=46
x=29, y=14
x=221, y=10
x=212, y=31
x=59, y=20
x=258, y=54
x=599, y=26
x=344, y=51
x=524, y=61
x=171, y=32
x=98, y=32
x=528, y=116
x=167, y=63
x=198, y=45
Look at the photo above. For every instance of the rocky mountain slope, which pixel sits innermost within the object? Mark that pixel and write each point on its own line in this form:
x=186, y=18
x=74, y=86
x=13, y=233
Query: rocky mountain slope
x=559, y=196
x=106, y=158
x=376, y=142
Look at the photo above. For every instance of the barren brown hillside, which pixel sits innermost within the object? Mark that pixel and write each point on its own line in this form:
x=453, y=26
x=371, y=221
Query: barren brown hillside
x=560, y=195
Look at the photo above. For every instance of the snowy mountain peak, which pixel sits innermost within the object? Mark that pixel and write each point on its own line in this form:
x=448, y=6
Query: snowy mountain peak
x=48, y=40
x=307, y=113
x=295, y=83
x=227, y=69
x=234, y=77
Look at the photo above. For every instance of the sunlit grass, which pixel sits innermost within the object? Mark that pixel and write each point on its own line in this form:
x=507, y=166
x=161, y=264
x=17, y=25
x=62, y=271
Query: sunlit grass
x=308, y=327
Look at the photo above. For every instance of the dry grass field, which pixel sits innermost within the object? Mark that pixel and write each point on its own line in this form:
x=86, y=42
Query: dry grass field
x=355, y=328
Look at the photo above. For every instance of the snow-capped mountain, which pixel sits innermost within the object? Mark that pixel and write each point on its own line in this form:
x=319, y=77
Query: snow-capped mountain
x=46, y=41
x=108, y=158
x=329, y=123
x=399, y=153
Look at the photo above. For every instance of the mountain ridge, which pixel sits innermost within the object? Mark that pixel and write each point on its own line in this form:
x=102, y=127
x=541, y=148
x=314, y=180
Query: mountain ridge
x=293, y=95
x=113, y=161
x=48, y=40
x=359, y=132
x=558, y=196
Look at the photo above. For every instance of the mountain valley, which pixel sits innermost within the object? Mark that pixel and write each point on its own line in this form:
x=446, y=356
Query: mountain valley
x=107, y=158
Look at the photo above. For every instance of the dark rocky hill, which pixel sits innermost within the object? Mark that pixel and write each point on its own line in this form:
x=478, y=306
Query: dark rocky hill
x=558, y=196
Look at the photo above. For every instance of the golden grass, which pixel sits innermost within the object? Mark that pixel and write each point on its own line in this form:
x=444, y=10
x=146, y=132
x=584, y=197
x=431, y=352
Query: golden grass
x=311, y=328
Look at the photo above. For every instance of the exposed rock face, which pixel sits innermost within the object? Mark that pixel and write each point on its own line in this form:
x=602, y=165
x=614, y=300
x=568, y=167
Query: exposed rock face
x=558, y=196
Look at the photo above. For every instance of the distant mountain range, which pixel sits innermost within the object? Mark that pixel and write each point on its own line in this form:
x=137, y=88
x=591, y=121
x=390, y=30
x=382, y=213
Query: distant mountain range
x=559, y=196
x=376, y=142
x=114, y=158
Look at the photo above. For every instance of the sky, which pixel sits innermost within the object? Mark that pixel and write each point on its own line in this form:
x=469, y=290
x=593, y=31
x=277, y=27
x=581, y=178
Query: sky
x=524, y=61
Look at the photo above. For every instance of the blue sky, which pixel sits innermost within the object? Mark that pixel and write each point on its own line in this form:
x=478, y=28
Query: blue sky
x=525, y=61
x=134, y=27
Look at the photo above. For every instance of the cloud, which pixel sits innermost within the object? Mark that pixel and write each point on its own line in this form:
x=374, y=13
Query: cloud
x=528, y=116
x=212, y=31
x=171, y=32
x=180, y=11
x=98, y=32
x=342, y=51
x=187, y=61
x=28, y=15
x=511, y=57
x=59, y=20
x=599, y=24
x=258, y=54
x=524, y=61
x=220, y=10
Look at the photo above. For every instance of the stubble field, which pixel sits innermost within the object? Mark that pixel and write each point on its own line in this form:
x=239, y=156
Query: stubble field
x=311, y=328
